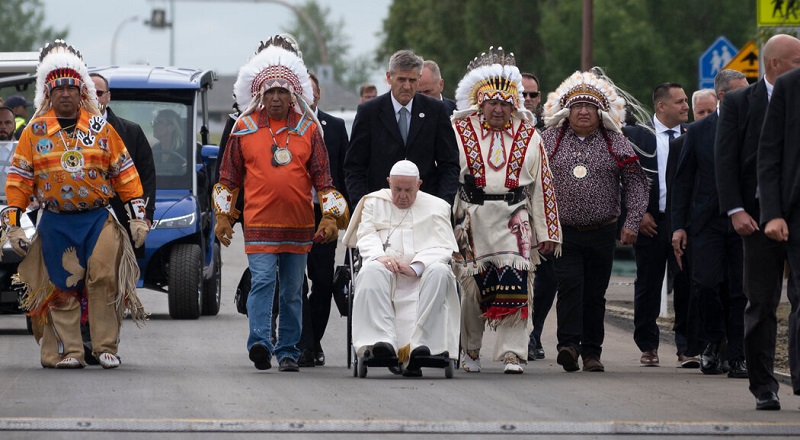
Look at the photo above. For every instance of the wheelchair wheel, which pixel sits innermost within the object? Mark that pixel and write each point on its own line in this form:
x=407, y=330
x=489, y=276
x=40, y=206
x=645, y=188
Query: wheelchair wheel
x=362, y=369
x=448, y=370
x=355, y=365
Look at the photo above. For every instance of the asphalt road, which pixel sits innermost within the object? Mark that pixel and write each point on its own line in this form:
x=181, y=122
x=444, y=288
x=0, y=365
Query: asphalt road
x=192, y=379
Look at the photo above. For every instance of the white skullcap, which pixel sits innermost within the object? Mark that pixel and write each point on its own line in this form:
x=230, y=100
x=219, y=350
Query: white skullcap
x=404, y=168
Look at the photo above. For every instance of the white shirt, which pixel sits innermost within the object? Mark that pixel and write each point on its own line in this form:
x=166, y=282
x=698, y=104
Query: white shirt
x=662, y=154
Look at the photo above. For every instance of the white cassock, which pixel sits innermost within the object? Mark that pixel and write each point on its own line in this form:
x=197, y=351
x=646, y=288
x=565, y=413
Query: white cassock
x=404, y=311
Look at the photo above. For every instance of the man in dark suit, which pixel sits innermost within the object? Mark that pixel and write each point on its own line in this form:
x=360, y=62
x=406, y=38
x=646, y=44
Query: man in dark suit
x=321, y=258
x=432, y=84
x=716, y=271
x=687, y=325
x=736, y=150
x=653, y=248
x=425, y=137
x=779, y=183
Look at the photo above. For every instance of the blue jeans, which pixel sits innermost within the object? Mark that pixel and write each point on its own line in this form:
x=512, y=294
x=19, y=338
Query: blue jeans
x=290, y=268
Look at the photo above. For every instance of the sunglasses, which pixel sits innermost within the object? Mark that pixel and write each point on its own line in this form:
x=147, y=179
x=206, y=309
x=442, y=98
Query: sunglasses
x=100, y=93
x=530, y=94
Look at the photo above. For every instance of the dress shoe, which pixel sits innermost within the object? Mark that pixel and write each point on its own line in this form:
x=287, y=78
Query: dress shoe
x=568, y=358
x=539, y=353
x=738, y=369
x=710, y=362
x=768, y=401
x=414, y=356
x=288, y=364
x=319, y=358
x=306, y=359
x=649, y=358
x=383, y=350
x=412, y=372
x=260, y=357
x=592, y=363
x=531, y=353
x=688, y=361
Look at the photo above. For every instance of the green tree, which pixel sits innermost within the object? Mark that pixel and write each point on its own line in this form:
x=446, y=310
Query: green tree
x=346, y=71
x=22, y=28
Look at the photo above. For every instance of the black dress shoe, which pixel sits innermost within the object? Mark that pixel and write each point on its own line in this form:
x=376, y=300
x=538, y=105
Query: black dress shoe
x=738, y=369
x=539, y=353
x=416, y=353
x=319, y=358
x=260, y=357
x=383, y=350
x=306, y=359
x=288, y=364
x=531, y=354
x=768, y=401
x=710, y=362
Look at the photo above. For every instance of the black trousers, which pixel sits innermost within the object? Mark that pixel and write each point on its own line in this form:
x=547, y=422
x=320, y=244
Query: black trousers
x=793, y=254
x=545, y=285
x=320, y=266
x=653, y=254
x=583, y=272
x=717, y=276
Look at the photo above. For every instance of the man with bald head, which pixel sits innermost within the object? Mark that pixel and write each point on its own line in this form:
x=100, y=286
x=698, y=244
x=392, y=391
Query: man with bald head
x=736, y=148
x=432, y=84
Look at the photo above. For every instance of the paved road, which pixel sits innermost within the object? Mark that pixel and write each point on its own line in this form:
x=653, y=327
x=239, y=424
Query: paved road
x=181, y=378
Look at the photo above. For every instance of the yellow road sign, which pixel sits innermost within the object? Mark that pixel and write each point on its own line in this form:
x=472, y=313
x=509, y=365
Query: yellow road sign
x=778, y=12
x=746, y=61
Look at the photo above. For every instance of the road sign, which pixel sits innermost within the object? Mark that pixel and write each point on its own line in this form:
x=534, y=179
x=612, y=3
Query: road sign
x=778, y=13
x=746, y=61
x=714, y=59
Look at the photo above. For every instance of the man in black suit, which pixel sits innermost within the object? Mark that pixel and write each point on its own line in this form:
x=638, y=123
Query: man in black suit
x=736, y=150
x=653, y=247
x=321, y=258
x=532, y=94
x=379, y=140
x=432, y=84
x=716, y=271
x=779, y=183
x=687, y=325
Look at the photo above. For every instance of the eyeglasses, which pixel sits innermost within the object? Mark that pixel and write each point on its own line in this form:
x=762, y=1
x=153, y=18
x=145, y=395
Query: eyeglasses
x=158, y=122
x=530, y=94
x=100, y=93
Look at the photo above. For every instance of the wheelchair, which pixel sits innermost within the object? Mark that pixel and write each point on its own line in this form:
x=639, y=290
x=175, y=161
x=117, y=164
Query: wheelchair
x=361, y=364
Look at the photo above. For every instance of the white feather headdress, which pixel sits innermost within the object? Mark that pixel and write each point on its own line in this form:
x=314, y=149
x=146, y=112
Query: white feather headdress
x=61, y=64
x=592, y=87
x=277, y=63
x=492, y=75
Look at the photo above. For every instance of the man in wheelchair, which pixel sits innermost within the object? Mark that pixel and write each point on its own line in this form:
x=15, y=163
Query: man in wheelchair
x=406, y=309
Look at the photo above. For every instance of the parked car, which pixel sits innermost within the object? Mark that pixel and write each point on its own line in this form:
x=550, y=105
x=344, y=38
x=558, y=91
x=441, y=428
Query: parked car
x=182, y=256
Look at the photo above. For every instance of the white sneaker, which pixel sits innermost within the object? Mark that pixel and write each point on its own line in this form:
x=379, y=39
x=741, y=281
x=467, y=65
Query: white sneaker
x=69, y=363
x=471, y=361
x=108, y=360
x=511, y=362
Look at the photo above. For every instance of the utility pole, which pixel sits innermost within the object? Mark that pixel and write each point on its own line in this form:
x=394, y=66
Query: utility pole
x=588, y=30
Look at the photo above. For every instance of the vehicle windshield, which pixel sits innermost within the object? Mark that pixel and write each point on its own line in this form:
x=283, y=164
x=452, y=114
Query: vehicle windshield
x=6, y=153
x=168, y=129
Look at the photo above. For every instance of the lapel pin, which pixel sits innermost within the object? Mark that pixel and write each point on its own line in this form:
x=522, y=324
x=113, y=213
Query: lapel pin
x=422, y=115
x=324, y=122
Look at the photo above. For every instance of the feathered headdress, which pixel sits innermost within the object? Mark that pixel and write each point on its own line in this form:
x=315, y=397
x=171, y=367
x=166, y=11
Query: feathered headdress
x=492, y=75
x=62, y=65
x=592, y=87
x=277, y=63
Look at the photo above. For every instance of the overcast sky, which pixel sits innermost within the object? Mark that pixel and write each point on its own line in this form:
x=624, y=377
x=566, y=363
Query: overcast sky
x=217, y=35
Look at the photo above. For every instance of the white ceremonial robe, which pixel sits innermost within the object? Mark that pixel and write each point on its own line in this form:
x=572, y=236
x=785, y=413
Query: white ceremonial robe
x=406, y=312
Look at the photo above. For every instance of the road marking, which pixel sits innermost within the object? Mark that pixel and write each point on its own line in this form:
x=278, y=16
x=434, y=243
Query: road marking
x=399, y=426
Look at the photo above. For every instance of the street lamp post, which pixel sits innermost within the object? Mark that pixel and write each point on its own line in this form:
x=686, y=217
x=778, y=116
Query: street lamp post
x=116, y=34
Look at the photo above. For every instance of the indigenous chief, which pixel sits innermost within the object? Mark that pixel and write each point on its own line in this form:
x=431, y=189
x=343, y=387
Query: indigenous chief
x=505, y=206
x=276, y=153
x=591, y=160
x=80, y=267
x=406, y=303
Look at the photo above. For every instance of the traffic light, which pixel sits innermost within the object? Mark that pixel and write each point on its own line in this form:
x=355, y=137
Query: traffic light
x=158, y=19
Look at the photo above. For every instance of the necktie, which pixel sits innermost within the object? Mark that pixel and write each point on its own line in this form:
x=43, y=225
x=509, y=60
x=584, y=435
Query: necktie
x=671, y=134
x=403, y=123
